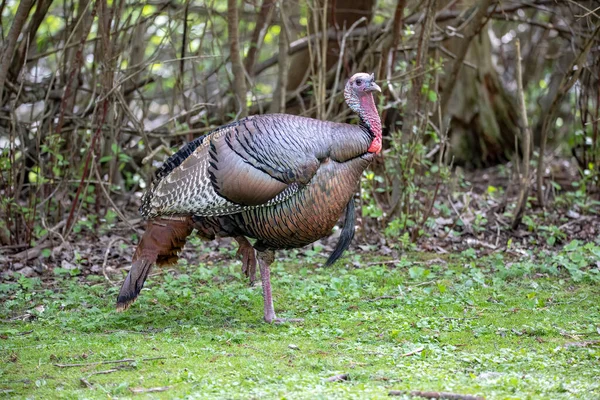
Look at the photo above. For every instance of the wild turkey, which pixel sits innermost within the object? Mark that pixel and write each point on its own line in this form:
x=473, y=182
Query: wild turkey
x=282, y=179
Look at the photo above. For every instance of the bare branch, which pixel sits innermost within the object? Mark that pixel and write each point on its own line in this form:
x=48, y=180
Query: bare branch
x=262, y=23
x=566, y=84
x=11, y=41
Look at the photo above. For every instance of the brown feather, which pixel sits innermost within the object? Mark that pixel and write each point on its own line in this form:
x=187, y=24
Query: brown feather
x=238, y=181
x=161, y=243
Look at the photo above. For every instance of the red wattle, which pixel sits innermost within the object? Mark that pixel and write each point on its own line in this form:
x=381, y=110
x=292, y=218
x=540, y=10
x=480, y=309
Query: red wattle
x=375, y=146
x=370, y=115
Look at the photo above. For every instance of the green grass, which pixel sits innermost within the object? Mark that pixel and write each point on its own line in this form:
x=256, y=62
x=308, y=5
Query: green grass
x=199, y=331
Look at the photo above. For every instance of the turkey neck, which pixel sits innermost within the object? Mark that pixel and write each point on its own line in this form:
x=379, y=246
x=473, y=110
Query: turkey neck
x=370, y=118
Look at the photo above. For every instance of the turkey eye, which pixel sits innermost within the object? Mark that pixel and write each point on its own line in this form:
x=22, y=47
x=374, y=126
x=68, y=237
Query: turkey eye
x=359, y=82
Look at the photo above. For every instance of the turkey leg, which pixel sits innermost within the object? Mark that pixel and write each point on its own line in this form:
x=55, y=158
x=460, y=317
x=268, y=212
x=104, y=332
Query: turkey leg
x=246, y=250
x=265, y=258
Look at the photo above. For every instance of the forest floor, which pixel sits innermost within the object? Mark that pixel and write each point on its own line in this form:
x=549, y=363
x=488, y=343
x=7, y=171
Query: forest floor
x=498, y=326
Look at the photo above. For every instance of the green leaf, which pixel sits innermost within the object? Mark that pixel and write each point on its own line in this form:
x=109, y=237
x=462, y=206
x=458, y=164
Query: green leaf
x=572, y=245
x=432, y=96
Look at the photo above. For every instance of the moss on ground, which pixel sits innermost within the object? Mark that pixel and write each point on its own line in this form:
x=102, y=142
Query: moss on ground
x=452, y=325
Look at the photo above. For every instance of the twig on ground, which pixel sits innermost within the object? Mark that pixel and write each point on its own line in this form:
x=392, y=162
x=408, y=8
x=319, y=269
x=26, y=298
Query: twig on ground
x=86, y=383
x=474, y=242
x=435, y=395
x=574, y=221
x=338, y=378
x=383, y=262
x=107, y=371
x=381, y=298
x=125, y=360
x=150, y=390
x=34, y=252
x=413, y=352
x=421, y=284
x=583, y=344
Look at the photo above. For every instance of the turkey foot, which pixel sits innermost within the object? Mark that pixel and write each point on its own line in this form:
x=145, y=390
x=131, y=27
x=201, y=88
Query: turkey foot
x=264, y=261
x=246, y=251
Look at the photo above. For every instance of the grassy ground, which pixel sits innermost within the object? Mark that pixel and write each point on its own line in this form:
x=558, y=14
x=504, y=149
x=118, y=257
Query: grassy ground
x=488, y=326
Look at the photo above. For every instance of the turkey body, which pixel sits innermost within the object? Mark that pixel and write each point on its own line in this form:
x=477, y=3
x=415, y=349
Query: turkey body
x=310, y=214
x=304, y=212
x=283, y=180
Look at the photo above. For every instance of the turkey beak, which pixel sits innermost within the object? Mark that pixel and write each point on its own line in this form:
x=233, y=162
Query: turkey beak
x=373, y=87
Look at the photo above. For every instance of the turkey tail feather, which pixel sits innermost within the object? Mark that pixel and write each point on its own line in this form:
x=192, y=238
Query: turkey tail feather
x=346, y=236
x=133, y=283
x=161, y=243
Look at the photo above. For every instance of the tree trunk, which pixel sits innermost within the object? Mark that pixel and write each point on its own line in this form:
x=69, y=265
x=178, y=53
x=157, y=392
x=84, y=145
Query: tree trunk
x=483, y=116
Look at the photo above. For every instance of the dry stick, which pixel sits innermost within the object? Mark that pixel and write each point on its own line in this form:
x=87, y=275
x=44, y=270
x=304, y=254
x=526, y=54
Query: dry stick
x=239, y=76
x=381, y=298
x=412, y=353
x=571, y=76
x=86, y=383
x=125, y=360
x=586, y=9
x=150, y=390
x=435, y=395
x=11, y=40
x=338, y=378
x=105, y=372
x=525, y=143
x=89, y=385
x=582, y=344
